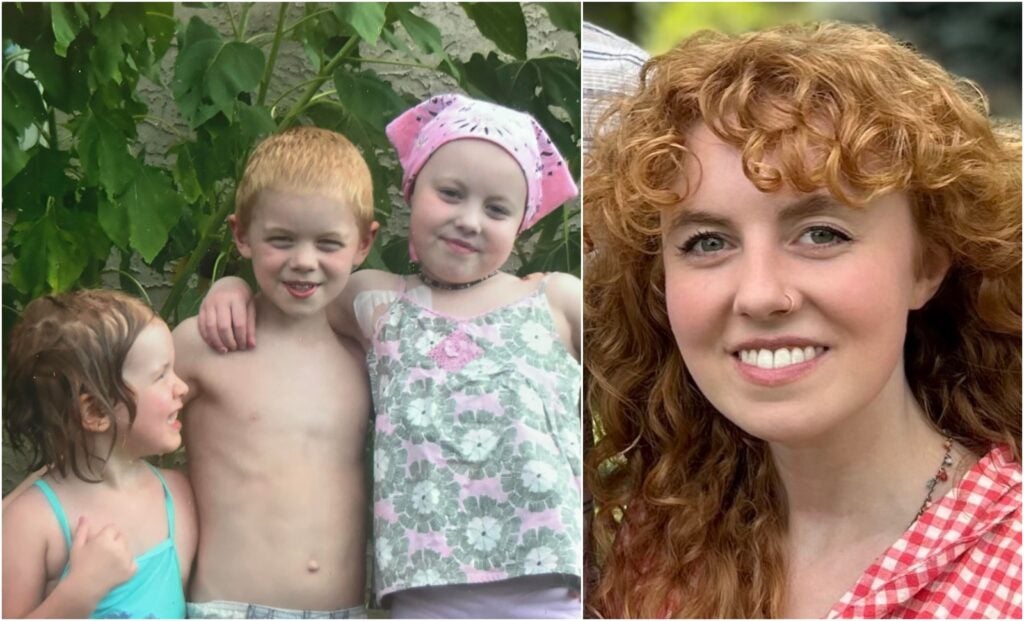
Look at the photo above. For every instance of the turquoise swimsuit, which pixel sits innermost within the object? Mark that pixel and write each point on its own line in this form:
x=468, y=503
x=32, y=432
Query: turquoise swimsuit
x=155, y=591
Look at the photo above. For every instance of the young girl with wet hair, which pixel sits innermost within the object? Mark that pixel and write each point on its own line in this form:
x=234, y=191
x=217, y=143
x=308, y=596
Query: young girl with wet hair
x=90, y=391
x=803, y=335
x=475, y=376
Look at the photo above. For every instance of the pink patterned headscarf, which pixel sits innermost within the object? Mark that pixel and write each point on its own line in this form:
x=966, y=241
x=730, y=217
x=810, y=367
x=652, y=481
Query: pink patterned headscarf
x=421, y=130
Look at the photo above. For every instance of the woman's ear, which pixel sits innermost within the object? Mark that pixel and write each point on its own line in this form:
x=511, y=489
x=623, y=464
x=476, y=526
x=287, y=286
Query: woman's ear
x=92, y=418
x=935, y=264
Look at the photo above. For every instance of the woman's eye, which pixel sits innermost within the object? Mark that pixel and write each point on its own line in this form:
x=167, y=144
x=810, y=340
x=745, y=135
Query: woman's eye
x=824, y=236
x=703, y=243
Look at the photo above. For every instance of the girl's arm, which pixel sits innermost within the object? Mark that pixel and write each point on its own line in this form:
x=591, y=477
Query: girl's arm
x=227, y=321
x=565, y=295
x=99, y=561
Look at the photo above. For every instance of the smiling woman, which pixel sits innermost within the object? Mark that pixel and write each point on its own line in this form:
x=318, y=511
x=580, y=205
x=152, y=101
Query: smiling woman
x=803, y=335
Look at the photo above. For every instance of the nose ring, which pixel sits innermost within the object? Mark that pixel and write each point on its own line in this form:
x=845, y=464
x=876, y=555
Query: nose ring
x=791, y=304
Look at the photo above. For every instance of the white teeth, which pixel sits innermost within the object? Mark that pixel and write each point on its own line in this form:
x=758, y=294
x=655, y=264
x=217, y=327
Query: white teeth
x=780, y=358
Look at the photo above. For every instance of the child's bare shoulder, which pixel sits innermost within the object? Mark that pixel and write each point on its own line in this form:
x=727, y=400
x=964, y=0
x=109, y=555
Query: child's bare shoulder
x=564, y=290
x=188, y=343
x=24, y=518
x=369, y=280
x=178, y=483
x=565, y=297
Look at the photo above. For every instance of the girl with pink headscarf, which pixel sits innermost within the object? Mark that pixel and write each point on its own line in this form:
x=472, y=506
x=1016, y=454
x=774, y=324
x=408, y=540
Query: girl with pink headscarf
x=475, y=377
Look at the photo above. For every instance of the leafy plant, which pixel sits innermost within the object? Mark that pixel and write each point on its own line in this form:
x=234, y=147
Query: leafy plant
x=83, y=196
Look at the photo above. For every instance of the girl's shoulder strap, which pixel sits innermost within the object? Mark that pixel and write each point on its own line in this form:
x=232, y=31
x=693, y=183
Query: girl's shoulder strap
x=168, y=499
x=542, y=287
x=58, y=509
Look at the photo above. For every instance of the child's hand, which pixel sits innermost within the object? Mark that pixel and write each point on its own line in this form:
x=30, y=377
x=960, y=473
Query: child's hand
x=534, y=276
x=99, y=562
x=227, y=319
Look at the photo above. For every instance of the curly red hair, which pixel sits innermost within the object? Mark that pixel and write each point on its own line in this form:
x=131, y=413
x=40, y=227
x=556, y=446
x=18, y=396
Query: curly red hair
x=689, y=513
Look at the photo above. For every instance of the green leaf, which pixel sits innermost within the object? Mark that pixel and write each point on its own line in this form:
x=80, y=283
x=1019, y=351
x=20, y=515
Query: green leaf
x=23, y=22
x=210, y=74
x=103, y=150
x=82, y=226
x=368, y=98
x=255, y=122
x=425, y=34
x=105, y=57
x=481, y=77
x=188, y=305
x=65, y=84
x=22, y=107
x=381, y=182
x=15, y=158
x=54, y=251
x=185, y=173
x=558, y=254
x=113, y=219
x=42, y=177
x=28, y=272
x=374, y=260
x=560, y=85
x=66, y=25
x=214, y=157
x=22, y=102
x=396, y=256
x=564, y=15
x=502, y=23
x=160, y=25
x=365, y=18
x=153, y=207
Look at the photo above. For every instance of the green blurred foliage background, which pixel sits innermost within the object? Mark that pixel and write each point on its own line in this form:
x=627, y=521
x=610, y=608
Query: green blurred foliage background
x=976, y=40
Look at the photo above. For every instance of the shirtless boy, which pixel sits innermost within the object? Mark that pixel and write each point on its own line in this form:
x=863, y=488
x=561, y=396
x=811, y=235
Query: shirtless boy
x=275, y=435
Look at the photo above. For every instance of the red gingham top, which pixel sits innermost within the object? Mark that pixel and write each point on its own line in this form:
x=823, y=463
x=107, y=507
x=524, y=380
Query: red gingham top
x=961, y=559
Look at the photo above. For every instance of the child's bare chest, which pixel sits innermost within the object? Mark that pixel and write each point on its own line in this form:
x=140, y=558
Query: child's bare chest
x=282, y=393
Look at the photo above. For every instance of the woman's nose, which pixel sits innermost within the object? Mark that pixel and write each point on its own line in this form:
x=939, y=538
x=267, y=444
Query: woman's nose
x=763, y=290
